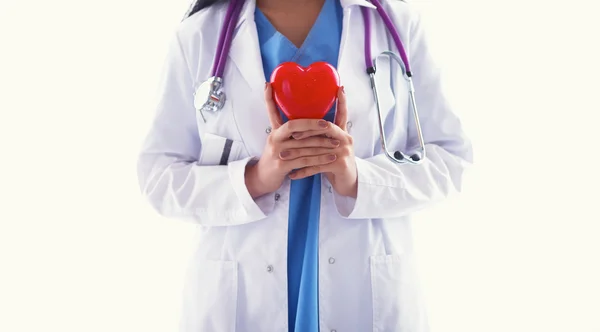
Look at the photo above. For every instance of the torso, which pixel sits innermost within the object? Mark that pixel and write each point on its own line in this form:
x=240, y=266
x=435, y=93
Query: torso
x=239, y=282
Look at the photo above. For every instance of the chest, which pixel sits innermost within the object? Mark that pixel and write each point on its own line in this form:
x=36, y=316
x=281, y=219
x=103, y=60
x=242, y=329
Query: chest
x=294, y=25
x=244, y=121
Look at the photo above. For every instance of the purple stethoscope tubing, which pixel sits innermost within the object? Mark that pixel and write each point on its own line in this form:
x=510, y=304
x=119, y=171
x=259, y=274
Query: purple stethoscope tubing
x=226, y=37
x=396, y=156
x=391, y=29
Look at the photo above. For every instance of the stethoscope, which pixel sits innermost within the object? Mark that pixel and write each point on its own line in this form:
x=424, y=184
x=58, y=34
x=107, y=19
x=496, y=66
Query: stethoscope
x=213, y=87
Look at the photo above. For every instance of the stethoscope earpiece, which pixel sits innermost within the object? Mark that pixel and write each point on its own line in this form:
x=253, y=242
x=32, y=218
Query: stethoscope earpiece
x=400, y=158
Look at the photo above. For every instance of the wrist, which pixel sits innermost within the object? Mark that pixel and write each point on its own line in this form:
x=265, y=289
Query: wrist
x=254, y=181
x=351, y=191
x=348, y=188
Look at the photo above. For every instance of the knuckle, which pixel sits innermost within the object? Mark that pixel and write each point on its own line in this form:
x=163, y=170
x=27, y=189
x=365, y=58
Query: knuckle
x=294, y=143
x=271, y=149
x=305, y=161
x=278, y=163
x=344, y=163
x=300, y=153
x=302, y=172
x=315, y=151
x=292, y=126
x=349, y=139
x=324, y=159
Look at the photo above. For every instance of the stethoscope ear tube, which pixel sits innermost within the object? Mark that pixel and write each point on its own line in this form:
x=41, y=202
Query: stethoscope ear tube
x=371, y=64
x=398, y=156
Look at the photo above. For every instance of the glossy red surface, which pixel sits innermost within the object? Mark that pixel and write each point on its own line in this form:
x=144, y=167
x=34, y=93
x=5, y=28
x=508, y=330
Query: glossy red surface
x=305, y=93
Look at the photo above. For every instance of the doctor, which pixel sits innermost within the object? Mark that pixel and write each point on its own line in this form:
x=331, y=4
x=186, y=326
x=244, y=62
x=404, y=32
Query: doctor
x=326, y=247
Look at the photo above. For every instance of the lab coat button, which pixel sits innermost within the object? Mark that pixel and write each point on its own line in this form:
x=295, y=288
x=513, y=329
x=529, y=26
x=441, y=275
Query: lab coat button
x=349, y=124
x=270, y=268
x=268, y=130
x=331, y=260
x=277, y=197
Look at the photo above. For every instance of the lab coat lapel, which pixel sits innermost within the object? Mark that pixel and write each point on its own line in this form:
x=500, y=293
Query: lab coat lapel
x=245, y=49
x=247, y=79
x=351, y=66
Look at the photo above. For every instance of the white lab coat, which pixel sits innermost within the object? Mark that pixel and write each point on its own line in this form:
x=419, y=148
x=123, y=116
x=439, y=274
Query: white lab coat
x=237, y=280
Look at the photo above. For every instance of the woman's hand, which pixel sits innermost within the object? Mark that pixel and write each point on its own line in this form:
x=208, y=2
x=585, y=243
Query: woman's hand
x=282, y=153
x=341, y=173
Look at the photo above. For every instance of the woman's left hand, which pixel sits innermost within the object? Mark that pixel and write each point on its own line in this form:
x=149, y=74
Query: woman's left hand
x=342, y=172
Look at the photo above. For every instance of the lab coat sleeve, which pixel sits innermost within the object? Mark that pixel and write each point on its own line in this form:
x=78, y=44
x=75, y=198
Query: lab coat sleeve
x=390, y=190
x=169, y=174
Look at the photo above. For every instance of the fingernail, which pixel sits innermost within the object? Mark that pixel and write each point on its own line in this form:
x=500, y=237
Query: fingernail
x=296, y=135
x=332, y=157
x=284, y=154
x=335, y=142
x=323, y=124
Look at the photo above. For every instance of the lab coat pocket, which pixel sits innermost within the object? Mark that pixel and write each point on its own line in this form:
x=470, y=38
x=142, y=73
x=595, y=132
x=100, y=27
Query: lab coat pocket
x=218, y=150
x=395, y=307
x=211, y=300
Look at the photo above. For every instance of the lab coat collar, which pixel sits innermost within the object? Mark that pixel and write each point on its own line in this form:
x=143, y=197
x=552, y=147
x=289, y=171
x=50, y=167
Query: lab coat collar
x=245, y=49
x=249, y=6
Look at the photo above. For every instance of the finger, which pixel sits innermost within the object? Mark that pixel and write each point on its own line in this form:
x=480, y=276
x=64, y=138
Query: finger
x=309, y=161
x=312, y=142
x=299, y=126
x=311, y=133
x=292, y=154
x=273, y=112
x=313, y=170
x=341, y=112
x=335, y=132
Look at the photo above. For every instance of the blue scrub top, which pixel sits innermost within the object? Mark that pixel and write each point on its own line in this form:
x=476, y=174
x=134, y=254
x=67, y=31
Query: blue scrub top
x=321, y=44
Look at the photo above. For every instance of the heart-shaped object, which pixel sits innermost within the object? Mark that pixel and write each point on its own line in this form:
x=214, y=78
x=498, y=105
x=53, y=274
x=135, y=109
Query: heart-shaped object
x=305, y=93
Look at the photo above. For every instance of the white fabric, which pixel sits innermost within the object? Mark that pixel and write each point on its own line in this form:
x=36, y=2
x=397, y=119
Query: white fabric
x=237, y=279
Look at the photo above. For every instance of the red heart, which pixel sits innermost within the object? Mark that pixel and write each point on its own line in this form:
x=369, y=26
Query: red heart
x=305, y=93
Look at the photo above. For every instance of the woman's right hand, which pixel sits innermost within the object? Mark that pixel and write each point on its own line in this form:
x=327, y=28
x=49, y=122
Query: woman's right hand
x=283, y=153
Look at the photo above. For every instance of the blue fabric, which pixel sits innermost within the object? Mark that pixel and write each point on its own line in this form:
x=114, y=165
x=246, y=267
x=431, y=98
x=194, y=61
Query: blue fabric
x=321, y=44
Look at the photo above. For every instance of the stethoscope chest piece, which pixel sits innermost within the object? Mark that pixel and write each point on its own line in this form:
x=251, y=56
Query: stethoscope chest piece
x=209, y=97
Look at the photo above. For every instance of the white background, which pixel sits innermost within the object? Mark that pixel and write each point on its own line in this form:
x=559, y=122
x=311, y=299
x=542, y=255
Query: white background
x=79, y=250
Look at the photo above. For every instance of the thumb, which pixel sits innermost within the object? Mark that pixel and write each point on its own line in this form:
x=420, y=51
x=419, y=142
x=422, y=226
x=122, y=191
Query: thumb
x=272, y=111
x=341, y=112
